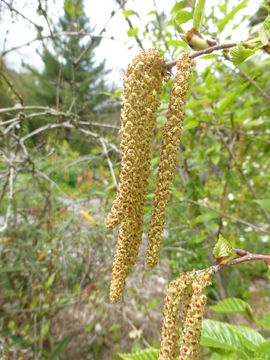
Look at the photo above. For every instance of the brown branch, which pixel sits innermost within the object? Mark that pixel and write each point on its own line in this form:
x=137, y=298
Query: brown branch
x=209, y=50
x=244, y=257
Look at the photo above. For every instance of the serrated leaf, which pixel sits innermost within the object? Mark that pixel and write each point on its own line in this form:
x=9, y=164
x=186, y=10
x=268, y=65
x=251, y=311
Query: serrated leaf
x=198, y=14
x=229, y=337
x=264, y=204
x=223, y=251
x=230, y=98
x=250, y=338
x=231, y=306
x=231, y=14
x=147, y=354
x=240, y=53
x=219, y=335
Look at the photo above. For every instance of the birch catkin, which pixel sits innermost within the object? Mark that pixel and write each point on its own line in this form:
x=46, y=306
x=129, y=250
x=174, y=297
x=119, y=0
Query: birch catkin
x=142, y=88
x=176, y=294
x=170, y=142
x=186, y=293
x=191, y=331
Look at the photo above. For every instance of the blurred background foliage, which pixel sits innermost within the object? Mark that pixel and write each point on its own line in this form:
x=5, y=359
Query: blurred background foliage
x=59, y=165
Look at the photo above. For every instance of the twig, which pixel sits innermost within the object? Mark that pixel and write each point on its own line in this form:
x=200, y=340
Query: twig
x=11, y=8
x=264, y=93
x=250, y=186
x=105, y=150
x=233, y=218
x=242, y=259
x=138, y=40
x=195, y=54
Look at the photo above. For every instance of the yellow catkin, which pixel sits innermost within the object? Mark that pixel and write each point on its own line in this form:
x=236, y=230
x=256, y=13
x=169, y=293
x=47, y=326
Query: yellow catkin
x=170, y=143
x=142, y=88
x=191, y=331
x=176, y=294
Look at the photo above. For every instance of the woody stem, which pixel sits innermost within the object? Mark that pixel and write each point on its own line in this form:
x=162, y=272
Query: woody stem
x=244, y=256
x=193, y=55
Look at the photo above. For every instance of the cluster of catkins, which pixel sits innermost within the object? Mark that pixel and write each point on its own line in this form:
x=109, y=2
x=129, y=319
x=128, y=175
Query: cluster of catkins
x=186, y=295
x=140, y=101
x=142, y=89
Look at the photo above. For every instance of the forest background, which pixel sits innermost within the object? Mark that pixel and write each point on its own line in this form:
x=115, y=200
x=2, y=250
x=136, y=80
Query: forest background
x=59, y=167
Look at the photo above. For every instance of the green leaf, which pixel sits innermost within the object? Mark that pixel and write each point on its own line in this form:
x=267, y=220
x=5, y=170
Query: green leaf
x=266, y=24
x=128, y=13
x=45, y=329
x=229, y=99
x=223, y=251
x=204, y=218
x=60, y=348
x=263, y=350
x=231, y=15
x=190, y=125
x=264, y=204
x=240, y=53
x=223, y=356
x=232, y=305
x=229, y=337
x=182, y=17
x=198, y=14
x=177, y=43
x=133, y=32
x=147, y=354
x=265, y=321
x=219, y=335
x=178, y=7
x=50, y=280
x=250, y=338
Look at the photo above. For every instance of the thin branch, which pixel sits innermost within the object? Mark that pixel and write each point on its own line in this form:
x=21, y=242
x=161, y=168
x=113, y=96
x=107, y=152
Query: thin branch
x=248, y=183
x=264, y=93
x=11, y=8
x=105, y=150
x=242, y=259
x=195, y=54
x=233, y=218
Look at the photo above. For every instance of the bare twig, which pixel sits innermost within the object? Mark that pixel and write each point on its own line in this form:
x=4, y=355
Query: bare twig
x=209, y=50
x=105, y=150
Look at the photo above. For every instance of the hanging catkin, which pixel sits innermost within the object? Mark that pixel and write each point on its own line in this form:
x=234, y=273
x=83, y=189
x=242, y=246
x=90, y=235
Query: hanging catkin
x=186, y=293
x=191, y=331
x=176, y=294
x=170, y=142
x=142, y=88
